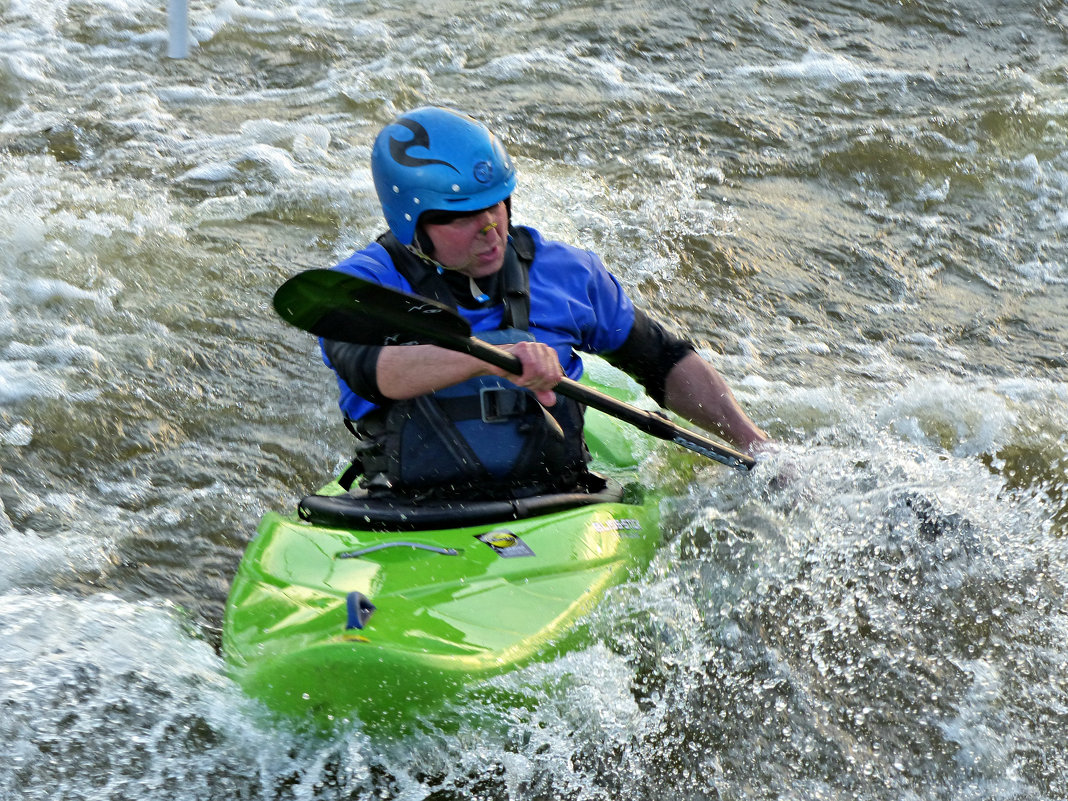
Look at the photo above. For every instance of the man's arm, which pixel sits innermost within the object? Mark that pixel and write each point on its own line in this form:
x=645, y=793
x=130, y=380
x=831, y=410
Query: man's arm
x=411, y=370
x=696, y=391
x=407, y=371
x=675, y=376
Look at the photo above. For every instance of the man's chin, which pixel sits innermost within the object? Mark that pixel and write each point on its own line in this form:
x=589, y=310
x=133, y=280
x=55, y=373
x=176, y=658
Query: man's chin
x=483, y=269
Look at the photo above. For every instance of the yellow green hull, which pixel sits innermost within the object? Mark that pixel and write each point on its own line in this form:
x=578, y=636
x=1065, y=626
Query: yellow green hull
x=328, y=622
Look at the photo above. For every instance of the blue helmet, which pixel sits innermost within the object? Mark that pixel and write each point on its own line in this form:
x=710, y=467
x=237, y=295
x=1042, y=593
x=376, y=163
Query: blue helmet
x=434, y=159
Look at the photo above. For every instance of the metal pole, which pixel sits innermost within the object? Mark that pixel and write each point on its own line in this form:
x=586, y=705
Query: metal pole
x=178, y=25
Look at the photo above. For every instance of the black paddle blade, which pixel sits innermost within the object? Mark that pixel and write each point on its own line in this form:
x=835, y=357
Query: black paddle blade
x=336, y=305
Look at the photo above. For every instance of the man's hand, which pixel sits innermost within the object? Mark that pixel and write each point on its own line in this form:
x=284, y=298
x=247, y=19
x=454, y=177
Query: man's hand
x=541, y=370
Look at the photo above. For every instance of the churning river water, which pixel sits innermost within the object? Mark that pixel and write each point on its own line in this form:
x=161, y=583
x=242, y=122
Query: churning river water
x=856, y=208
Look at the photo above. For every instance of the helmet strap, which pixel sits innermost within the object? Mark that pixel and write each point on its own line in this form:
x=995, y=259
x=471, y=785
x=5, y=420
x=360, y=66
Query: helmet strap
x=417, y=251
x=422, y=243
x=473, y=287
x=422, y=247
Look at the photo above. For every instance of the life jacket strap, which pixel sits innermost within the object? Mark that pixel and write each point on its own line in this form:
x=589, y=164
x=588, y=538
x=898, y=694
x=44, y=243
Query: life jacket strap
x=491, y=405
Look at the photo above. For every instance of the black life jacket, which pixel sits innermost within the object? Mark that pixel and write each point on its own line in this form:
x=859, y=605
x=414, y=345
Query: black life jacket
x=483, y=437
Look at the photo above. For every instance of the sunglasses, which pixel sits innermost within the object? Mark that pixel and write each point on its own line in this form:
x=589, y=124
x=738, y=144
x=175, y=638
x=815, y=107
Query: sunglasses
x=443, y=217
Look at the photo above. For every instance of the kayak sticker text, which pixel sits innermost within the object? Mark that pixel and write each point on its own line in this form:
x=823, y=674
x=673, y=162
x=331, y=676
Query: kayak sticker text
x=626, y=524
x=505, y=543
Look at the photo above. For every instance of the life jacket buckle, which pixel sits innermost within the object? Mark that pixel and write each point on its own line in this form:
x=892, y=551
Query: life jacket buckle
x=500, y=403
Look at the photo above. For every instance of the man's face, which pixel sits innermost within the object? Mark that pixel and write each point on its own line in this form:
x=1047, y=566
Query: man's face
x=472, y=243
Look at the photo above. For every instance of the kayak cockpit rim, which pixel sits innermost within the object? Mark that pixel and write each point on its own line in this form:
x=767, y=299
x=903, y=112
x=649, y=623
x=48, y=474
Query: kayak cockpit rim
x=366, y=513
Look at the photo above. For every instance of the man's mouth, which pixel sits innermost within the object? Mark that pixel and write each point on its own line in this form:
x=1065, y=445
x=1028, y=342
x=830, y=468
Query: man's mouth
x=489, y=255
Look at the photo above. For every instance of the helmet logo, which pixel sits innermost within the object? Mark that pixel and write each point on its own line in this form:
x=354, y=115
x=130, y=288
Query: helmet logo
x=483, y=172
x=420, y=138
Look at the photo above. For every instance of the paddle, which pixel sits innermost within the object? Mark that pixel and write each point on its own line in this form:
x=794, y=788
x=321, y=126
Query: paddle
x=336, y=305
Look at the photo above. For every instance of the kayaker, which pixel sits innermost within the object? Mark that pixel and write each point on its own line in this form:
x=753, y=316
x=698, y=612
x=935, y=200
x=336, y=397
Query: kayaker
x=432, y=422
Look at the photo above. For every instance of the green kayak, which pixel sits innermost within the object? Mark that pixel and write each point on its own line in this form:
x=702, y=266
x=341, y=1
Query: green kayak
x=358, y=608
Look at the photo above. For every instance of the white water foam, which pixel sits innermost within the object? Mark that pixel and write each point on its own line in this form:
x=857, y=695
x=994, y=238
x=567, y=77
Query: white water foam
x=616, y=78
x=827, y=69
x=108, y=699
